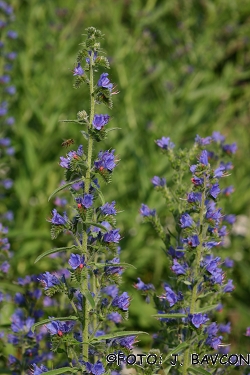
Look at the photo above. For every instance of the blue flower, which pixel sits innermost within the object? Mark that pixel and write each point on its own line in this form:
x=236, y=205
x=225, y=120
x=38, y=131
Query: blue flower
x=86, y=200
x=122, y=301
x=145, y=211
x=229, y=287
x=37, y=371
x=194, y=197
x=225, y=328
x=76, y=261
x=48, y=280
x=214, y=342
x=95, y=369
x=142, y=286
x=114, y=317
x=100, y=120
x=158, y=181
x=105, y=82
x=110, y=290
x=106, y=160
x=230, y=149
x=214, y=191
x=218, y=137
x=192, y=241
x=165, y=143
x=108, y=209
x=59, y=327
x=203, y=141
x=78, y=71
x=57, y=219
x=186, y=221
x=112, y=236
x=199, y=319
x=203, y=159
x=178, y=269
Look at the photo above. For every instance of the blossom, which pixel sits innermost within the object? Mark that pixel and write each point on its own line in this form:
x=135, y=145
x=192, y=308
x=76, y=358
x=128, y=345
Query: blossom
x=59, y=328
x=76, y=261
x=86, y=200
x=108, y=209
x=225, y=328
x=106, y=160
x=178, y=269
x=158, y=181
x=110, y=290
x=145, y=211
x=37, y=371
x=228, y=190
x=171, y=296
x=186, y=220
x=111, y=270
x=230, y=149
x=218, y=137
x=114, y=317
x=57, y=219
x=194, y=197
x=192, y=241
x=112, y=236
x=100, y=120
x=229, y=287
x=228, y=263
x=219, y=172
x=165, y=143
x=214, y=342
x=203, y=159
x=78, y=71
x=122, y=301
x=199, y=319
x=203, y=141
x=140, y=285
x=214, y=191
x=178, y=253
x=126, y=342
x=105, y=82
x=48, y=280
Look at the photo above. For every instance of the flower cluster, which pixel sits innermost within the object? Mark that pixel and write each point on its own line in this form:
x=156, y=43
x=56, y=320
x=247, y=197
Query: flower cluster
x=199, y=280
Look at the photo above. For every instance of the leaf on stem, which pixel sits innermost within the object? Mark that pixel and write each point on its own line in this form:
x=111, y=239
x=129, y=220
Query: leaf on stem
x=56, y=250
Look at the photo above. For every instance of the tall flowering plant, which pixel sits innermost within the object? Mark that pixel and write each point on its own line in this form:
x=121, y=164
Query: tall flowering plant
x=91, y=286
x=193, y=242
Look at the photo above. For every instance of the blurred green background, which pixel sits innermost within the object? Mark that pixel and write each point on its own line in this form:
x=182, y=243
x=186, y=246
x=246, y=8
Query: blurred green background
x=182, y=68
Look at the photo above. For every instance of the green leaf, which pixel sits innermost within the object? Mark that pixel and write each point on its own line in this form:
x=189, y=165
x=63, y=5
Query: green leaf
x=89, y=297
x=110, y=130
x=206, y=309
x=45, y=321
x=96, y=225
x=177, y=315
x=198, y=370
x=180, y=348
x=186, y=282
x=204, y=295
x=5, y=371
x=110, y=264
x=118, y=334
x=61, y=370
x=56, y=250
x=64, y=186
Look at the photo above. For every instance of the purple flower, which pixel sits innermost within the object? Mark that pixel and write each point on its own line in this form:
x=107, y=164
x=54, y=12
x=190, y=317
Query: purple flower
x=108, y=209
x=12, y=34
x=11, y=90
x=105, y=82
x=114, y=317
x=203, y=159
x=228, y=166
x=76, y=261
x=158, y=181
x=192, y=241
x=230, y=219
x=110, y=290
x=203, y=141
x=78, y=71
x=48, y=280
x=170, y=296
x=230, y=149
x=10, y=121
x=112, y=236
x=178, y=253
x=178, y=269
x=94, y=57
x=126, y=342
x=111, y=270
x=59, y=328
x=86, y=200
x=106, y=160
x=229, y=287
x=12, y=360
x=11, y=55
x=37, y=371
x=145, y=211
x=199, y=319
x=212, y=329
x=228, y=190
x=214, y=191
x=186, y=221
x=140, y=285
x=247, y=331
x=165, y=143
x=197, y=181
x=219, y=172
x=7, y=183
x=5, y=79
x=222, y=232
x=122, y=301
x=218, y=137
x=214, y=342
x=225, y=328
x=228, y=263
x=57, y=219
x=100, y=120
x=194, y=197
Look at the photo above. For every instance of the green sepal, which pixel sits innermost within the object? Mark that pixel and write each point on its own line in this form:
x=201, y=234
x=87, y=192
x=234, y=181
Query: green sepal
x=56, y=230
x=103, y=95
x=105, y=174
x=82, y=54
x=64, y=186
x=51, y=291
x=176, y=315
x=98, y=135
x=56, y=250
x=198, y=370
x=45, y=321
x=102, y=61
x=85, y=134
x=79, y=80
x=206, y=309
x=117, y=334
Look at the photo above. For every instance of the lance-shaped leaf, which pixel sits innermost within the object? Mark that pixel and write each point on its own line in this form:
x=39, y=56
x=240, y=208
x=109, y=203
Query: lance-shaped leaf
x=96, y=225
x=198, y=370
x=45, y=321
x=206, y=309
x=180, y=348
x=64, y=186
x=89, y=298
x=56, y=250
x=118, y=334
x=61, y=370
x=176, y=315
x=100, y=265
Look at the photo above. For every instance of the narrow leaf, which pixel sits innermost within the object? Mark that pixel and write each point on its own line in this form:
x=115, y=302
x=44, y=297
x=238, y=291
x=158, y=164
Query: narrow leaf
x=177, y=315
x=112, y=264
x=118, y=334
x=64, y=186
x=95, y=225
x=206, y=309
x=45, y=321
x=56, y=250
x=109, y=130
x=198, y=370
x=89, y=297
x=180, y=348
x=62, y=370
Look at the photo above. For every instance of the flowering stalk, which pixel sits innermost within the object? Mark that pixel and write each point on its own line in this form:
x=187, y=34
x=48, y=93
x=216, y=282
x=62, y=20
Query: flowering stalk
x=199, y=283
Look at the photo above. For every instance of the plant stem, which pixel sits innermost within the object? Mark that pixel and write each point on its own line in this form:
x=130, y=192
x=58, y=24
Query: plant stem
x=201, y=236
x=85, y=334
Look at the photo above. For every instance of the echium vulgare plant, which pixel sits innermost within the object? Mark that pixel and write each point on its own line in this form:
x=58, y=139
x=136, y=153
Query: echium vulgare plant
x=85, y=337
x=193, y=242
